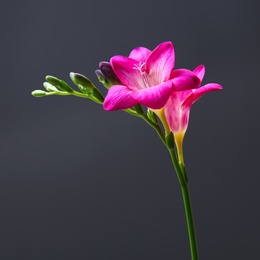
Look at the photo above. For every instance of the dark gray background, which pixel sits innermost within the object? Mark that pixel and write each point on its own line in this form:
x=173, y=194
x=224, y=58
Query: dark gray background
x=77, y=182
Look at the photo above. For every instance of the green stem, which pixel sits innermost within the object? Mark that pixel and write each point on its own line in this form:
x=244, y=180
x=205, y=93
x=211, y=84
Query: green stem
x=74, y=93
x=190, y=222
x=182, y=176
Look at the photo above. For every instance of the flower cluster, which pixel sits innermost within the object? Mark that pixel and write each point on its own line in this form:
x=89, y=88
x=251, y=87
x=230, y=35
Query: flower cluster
x=148, y=78
x=144, y=78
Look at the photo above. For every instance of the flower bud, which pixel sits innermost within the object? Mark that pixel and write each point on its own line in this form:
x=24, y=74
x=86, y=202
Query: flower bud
x=102, y=79
x=84, y=84
x=39, y=93
x=106, y=74
x=62, y=85
x=49, y=87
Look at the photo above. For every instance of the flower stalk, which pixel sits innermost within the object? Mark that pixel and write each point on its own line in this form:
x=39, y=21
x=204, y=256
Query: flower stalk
x=183, y=180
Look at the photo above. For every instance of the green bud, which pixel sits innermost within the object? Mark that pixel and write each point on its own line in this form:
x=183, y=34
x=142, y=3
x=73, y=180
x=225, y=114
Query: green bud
x=85, y=90
x=62, y=85
x=79, y=79
x=151, y=116
x=65, y=87
x=53, y=80
x=49, y=87
x=39, y=93
x=86, y=86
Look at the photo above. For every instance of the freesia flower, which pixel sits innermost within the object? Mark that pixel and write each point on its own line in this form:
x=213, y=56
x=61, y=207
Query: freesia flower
x=177, y=108
x=147, y=78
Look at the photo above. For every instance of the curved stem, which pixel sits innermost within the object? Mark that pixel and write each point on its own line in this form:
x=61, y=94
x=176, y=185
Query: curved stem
x=183, y=179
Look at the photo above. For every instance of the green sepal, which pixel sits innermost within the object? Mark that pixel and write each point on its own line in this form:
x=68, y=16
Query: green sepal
x=98, y=95
x=151, y=116
x=85, y=90
x=60, y=84
x=102, y=79
x=170, y=141
x=39, y=93
x=139, y=110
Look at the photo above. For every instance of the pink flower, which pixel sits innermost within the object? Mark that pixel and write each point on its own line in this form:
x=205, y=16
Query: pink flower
x=177, y=108
x=147, y=78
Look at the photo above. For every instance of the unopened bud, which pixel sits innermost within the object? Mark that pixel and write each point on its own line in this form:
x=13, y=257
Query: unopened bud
x=49, y=87
x=84, y=84
x=39, y=93
x=102, y=79
x=107, y=73
x=62, y=85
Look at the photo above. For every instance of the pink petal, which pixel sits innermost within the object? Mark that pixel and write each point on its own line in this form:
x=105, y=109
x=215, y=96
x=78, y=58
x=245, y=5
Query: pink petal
x=200, y=71
x=119, y=97
x=197, y=93
x=176, y=117
x=140, y=54
x=161, y=62
x=154, y=97
x=126, y=71
x=184, y=79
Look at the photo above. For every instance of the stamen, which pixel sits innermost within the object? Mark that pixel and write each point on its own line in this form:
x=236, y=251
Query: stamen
x=141, y=69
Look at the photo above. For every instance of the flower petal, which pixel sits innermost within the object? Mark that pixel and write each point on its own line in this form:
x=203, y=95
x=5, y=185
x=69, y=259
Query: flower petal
x=197, y=93
x=140, y=54
x=200, y=71
x=119, y=97
x=161, y=62
x=176, y=117
x=154, y=97
x=184, y=79
x=126, y=70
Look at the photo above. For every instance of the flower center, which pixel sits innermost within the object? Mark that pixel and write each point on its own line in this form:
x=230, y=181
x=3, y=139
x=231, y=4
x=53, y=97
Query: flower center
x=141, y=68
